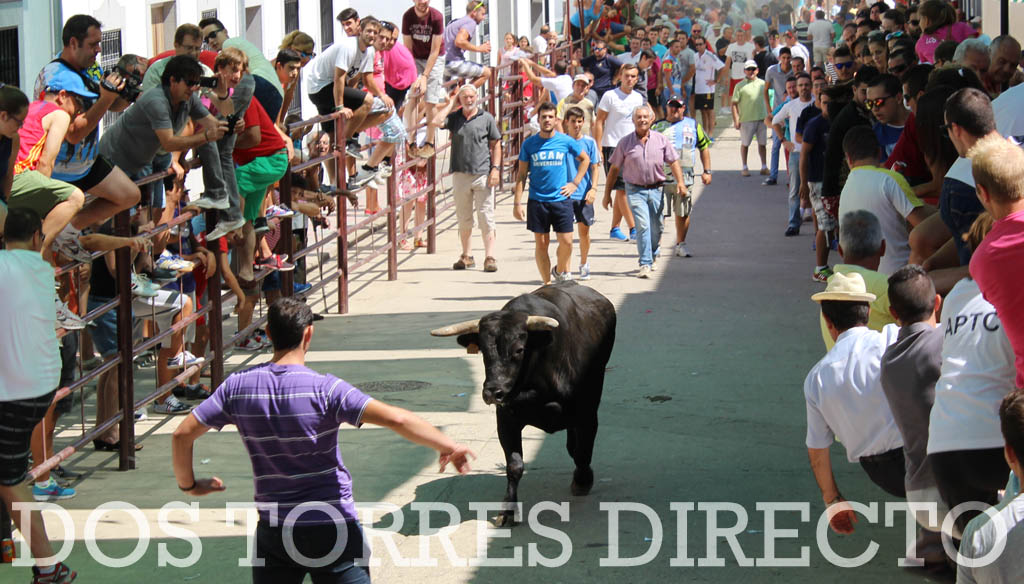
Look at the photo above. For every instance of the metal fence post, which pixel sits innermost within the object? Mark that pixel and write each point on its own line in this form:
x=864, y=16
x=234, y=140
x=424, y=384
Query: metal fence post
x=392, y=194
x=285, y=226
x=215, y=319
x=432, y=205
x=341, y=182
x=125, y=377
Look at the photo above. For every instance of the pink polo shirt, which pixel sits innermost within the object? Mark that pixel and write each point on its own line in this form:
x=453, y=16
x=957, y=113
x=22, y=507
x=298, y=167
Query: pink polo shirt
x=643, y=163
x=997, y=265
x=399, y=67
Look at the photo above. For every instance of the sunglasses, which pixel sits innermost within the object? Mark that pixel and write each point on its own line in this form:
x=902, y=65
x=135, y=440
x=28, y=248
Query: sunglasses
x=213, y=34
x=876, y=103
x=894, y=35
x=915, y=22
x=308, y=55
x=841, y=66
x=899, y=69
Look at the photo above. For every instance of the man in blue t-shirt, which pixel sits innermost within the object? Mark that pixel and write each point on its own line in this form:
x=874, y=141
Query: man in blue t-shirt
x=544, y=160
x=885, y=101
x=583, y=198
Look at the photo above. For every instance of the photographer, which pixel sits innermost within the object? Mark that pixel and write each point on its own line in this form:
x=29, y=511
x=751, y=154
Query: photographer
x=79, y=161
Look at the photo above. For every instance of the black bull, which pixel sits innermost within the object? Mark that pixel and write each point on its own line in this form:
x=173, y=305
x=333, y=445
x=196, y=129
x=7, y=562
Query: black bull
x=544, y=356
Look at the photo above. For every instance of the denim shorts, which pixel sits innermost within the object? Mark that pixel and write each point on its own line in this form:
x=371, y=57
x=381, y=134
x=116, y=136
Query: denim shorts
x=104, y=328
x=543, y=216
x=959, y=207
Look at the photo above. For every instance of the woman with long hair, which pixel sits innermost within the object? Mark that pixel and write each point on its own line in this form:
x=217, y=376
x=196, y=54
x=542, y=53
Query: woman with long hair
x=938, y=20
x=13, y=109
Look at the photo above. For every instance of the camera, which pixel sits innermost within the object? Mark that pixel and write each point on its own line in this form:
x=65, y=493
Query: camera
x=132, y=85
x=208, y=82
x=232, y=120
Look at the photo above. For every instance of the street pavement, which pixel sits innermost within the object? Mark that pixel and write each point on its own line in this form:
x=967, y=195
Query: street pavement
x=702, y=425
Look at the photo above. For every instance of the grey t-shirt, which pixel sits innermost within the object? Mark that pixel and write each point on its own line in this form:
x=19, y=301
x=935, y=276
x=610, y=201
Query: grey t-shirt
x=776, y=79
x=471, y=146
x=131, y=143
x=909, y=370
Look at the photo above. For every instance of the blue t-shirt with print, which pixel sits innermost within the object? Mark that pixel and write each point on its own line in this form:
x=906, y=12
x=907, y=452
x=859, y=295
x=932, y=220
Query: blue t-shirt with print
x=887, y=137
x=590, y=147
x=549, y=164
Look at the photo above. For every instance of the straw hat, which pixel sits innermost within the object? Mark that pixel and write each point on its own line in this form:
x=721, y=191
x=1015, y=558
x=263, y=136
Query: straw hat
x=845, y=287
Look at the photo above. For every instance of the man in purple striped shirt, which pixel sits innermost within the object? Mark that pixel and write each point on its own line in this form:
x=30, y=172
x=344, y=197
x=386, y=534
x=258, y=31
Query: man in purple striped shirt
x=641, y=157
x=288, y=417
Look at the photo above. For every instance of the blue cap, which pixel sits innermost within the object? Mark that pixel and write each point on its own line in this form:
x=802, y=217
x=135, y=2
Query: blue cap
x=68, y=80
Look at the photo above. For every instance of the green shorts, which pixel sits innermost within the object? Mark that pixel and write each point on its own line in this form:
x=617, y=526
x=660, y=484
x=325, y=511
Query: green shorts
x=34, y=190
x=254, y=178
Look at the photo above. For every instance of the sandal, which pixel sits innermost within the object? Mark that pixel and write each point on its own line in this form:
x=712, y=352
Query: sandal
x=405, y=245
x=490, y=264
x=421, y=243
x=425, y=151
x=464, y=263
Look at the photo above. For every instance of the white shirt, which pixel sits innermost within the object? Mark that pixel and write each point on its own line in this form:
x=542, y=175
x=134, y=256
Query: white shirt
x=619, y=122
x=887, y=195
x=707, y=67
x=561, y=85
x=739, y=55
x=1005, y=109
x=344, y=55
x=792, y=111
x=540, y=44
x=29, y=353
x=977, y=371
x=821, y=31
x=845, y=398
x=981, y=537
x=798, y=50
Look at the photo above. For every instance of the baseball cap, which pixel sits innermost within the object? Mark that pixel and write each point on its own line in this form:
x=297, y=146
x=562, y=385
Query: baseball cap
x=68, y=80
x=745, y=26
x=750, y=63
x=676, y=101
x=581, y=77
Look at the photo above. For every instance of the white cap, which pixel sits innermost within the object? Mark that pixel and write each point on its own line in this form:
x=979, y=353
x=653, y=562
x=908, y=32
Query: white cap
x=750, y=63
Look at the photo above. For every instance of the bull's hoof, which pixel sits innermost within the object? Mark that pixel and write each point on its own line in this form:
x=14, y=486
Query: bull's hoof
x=582, y=482
x=505, y=519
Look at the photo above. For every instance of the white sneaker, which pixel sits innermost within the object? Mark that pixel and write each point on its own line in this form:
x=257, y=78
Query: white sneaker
x=171, y=407
x=808, y=215
x=184, y=359
x=208, y=203
x=142, y=286
x=585, y=271
x=223, y=228
x=645, y=272
x=66, y=319
x=681, y=251
x=66, y=243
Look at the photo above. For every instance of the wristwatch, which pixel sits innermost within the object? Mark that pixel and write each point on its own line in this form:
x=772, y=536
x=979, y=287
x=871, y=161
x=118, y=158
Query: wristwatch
x=706, y=172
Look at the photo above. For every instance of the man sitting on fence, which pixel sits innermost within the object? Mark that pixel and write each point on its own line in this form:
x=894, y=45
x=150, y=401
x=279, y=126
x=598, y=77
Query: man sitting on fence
x=476, y=170
x=457, y=37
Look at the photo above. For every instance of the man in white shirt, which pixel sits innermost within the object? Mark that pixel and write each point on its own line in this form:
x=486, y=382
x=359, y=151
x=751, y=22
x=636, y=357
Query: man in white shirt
x=1005, y=531
x=821, y=33
x=540, y=42
x=613, y=122
x=797, y=49
x=791, y=111
x=557, y=81
x=844, y=399
x=883, y=192
x=736, y=56
x=706, y=66
x=29, y=372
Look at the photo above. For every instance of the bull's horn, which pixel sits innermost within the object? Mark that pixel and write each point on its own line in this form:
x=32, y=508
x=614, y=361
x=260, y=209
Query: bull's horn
x=460, y=328
x=540, y=323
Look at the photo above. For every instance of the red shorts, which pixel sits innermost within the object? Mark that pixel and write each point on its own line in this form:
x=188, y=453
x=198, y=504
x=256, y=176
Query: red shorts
x=732, y=85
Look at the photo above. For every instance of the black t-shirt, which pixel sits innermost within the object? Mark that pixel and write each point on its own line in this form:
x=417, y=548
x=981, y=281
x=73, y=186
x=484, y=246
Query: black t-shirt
x=764, y=59
x=5, y=156
x=101, y=282
x=850, y=116
x=720, y=46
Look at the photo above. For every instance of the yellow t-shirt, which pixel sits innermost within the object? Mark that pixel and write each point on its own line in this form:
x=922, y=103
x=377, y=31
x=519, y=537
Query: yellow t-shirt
x=877, y=283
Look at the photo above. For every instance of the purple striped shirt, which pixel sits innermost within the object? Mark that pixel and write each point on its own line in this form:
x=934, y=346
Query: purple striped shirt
x=288, y=417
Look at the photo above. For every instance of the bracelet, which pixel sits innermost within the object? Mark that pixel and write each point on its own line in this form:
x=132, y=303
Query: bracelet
x=189, y=488
x=495, y=167
x=834, y=501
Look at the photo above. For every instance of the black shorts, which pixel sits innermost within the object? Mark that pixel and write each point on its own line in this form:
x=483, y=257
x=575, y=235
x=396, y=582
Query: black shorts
x=396, y=95
x=99, y=171
x=352, y=98
x=542, y=217
x=704, y=101
x=18, y=419
x=584, y=212
x=606, y=154
x=653, y=99
x=281, y=553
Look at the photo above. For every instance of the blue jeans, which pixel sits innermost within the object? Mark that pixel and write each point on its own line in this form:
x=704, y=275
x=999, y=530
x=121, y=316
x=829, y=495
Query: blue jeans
x=316, y=543
x=646, y=205
x=959, y=207
x=776, y=148
x=794, y=190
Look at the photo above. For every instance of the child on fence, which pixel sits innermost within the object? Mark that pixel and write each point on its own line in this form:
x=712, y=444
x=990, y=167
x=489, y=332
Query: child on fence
x=411, y=180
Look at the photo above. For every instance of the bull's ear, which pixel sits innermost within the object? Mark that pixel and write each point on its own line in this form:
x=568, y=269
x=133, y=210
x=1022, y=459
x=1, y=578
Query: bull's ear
x=471, y=341
x=539, y=339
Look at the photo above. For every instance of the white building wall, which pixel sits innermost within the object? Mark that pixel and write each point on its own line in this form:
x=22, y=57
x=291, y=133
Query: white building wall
x=39, y=25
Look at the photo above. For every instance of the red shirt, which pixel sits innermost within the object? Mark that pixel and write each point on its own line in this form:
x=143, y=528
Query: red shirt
x=906, y=157
x=997, y=266
x=207, y=58
x=32, y=136
x=270, y=139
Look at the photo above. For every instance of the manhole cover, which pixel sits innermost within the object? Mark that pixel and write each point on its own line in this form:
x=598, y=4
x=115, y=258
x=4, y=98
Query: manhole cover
x=391, y=386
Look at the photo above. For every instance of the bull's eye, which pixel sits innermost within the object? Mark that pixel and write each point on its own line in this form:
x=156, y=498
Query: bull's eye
x=518, y=352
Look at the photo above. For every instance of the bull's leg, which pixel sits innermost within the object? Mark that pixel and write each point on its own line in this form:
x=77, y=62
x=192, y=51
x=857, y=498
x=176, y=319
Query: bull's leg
x=570, y=441
x=510, y=435
x=584, y=433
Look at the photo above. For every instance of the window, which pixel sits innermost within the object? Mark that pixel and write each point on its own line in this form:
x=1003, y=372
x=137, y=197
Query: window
x=110, y=53
x=291, y=15
x=326, y=24
x=9, y=58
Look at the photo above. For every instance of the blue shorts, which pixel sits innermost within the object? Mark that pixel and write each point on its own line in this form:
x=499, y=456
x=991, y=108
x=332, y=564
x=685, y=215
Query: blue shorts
x=104, y=328
x=584, y=212
x=542, y=217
